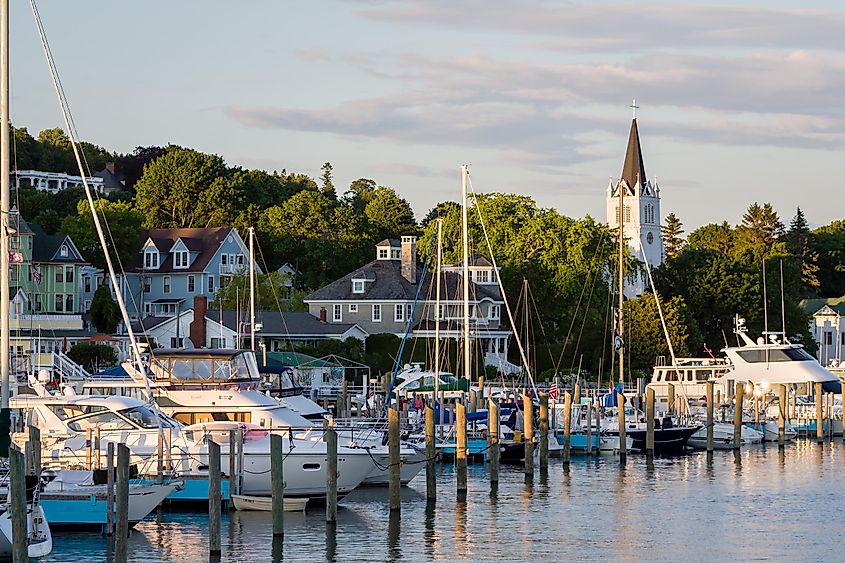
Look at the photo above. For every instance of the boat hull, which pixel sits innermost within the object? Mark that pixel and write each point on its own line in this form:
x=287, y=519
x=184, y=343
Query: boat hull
x=265, y=504
x=41, y=545
x=667, y=441
x=87, y=505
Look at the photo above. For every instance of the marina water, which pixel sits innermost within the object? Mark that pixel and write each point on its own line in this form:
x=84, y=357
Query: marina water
x=757, y=504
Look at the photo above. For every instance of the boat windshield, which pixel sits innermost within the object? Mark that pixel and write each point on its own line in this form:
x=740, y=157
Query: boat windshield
x=135, y=417
x=142, y=416
x=211, y=369
x=775, y=355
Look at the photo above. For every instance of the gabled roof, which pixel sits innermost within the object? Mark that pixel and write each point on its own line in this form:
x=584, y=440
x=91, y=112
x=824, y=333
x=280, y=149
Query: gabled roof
x=205, y=242
x=822, y=306
x=290, y=323
x=110, y=180
x=18, y=223
x=634, y=169
x=389, y=285
x=45, y=248
x=390, y=242
x=148, y=323
x=475, y=259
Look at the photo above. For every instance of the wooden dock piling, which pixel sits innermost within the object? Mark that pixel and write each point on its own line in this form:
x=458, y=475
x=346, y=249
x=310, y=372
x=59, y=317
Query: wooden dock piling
x=781, y=416
x=649, y=410
x=330, y=436
x=819, y=413
x=110, y=489
x=277, y=482
x=473, y=400
x=576, y=399
x=590, y=427
x=233, y=460
x=17, y=492
x=430, y=454
x=567, y=427
x=671, y=398
x=739, y=397
x=710, y=415
x=214, y=497
x=344, y=396
x=528, y=434
x=623, y=429
x=32, y=450
x=493, y=442
x=544, y=432
x=393, y=471
x=122, y=503
x=160, y=458
x=461, y=450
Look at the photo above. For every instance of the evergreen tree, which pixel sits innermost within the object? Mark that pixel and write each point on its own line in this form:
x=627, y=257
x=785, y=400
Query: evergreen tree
x=798, y=243
x=328, y=186
x=104, y=312
x=671, y=233
x=760, y=225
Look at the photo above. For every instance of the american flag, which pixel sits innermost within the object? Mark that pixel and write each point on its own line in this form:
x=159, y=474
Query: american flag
x=553, y=393
x=36, y=275
x=15, y=257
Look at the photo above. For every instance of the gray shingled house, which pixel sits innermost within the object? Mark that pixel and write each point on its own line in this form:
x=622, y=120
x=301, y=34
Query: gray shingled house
x=379, y=297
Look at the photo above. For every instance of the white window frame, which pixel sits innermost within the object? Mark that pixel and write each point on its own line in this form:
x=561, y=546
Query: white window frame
x=180, y=259
x=395, y=253
x=63, y=251
x=337, y=313
x=358, y=286
x=192, y=283
x=482, y=276
x=150, y=260
x=383, y=253
x=353, y=307
x=409, y=310
x=399, y=312
x=211, y=284
x=166, y=284
x=376, y=312
x=495, y=312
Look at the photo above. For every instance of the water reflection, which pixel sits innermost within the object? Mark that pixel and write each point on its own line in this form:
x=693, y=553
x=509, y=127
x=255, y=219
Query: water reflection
x=596, y=504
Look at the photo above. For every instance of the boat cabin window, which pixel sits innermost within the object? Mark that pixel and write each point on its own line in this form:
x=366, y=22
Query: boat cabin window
x=142, y=416
x=65, y=412
x=107, y=421
x=216, y=369
x=703, y=374
x=775, y=355
x=189, y=418
x=671, y=375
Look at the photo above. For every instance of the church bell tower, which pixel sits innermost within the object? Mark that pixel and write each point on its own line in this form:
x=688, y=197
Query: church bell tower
x=641, y=214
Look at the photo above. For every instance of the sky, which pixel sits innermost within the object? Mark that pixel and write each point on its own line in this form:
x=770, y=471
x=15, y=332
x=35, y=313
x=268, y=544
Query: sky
x=738, y=102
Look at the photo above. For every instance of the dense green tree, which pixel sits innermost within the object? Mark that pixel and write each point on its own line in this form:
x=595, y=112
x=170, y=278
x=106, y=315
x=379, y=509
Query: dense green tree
x=326, y=183
x=271, y=293
x=798, y=243
x=719, y=238
x=645, y=338
x=390, y=215
x=131, y=166
x=828, y=243
x=439, y=211
x=93, y=357
x=671, y=232
x=359, y=193
x=121, y=224
x=186, y=188
x=104, y=312
x=760, y=225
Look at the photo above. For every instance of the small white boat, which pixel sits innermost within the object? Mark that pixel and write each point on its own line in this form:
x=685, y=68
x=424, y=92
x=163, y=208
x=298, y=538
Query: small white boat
x=265, y=504
x=723, y=437
x=39, y=539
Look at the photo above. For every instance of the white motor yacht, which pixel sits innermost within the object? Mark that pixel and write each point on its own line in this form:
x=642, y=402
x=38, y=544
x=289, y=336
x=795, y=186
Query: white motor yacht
x=200, y=387
x=64, y=421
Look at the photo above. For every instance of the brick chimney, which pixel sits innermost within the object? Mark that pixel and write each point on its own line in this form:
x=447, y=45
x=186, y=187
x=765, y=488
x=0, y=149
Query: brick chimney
x=322, y=314
x=198, y=325
x=110, y=167
x=409, y=259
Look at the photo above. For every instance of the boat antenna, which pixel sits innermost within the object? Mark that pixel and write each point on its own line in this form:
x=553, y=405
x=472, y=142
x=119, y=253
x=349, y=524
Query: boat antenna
x=782, y=306
x=765, y=303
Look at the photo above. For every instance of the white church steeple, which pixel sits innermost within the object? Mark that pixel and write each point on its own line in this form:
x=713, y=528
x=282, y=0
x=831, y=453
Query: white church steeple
x=641, y=216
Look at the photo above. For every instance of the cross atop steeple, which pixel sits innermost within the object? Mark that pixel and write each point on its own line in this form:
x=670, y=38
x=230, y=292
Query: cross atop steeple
x=634, y=107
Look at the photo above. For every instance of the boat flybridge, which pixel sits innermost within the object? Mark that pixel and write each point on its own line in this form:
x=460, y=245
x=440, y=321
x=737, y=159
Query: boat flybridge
x=66, y=418
x=771, y=360
x=218, y=387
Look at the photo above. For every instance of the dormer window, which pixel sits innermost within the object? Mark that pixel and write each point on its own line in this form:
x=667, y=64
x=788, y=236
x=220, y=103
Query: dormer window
x=63, y=251
x=180, y=259
x=482, y=276
x=383, y=253
x=357, y=286
x=396, y=253
x=151, y=259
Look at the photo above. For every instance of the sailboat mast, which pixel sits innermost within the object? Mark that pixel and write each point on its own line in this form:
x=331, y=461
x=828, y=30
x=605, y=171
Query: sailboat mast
x=4, y=218
x=251, y=290
x=620, y=323
x=437, y=309
x=465, y=229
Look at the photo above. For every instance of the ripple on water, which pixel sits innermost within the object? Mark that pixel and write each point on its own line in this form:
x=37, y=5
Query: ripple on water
x=760, y=504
